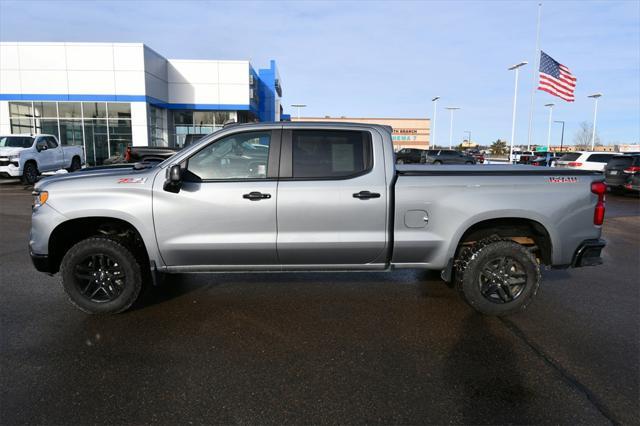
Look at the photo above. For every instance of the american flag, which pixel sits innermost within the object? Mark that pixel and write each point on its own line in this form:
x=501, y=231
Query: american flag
x=555, y=78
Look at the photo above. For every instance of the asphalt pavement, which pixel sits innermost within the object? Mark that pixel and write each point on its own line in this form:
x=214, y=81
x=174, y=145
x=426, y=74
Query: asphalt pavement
x=392, y=348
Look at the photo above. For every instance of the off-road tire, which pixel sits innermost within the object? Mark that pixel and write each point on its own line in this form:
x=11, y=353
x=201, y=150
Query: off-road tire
x=473, y=259
x=115, y=250
x=75, y=164
x=30, y=173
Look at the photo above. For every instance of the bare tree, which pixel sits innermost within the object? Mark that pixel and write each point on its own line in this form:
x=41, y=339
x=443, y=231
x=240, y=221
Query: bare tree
x=582, y=138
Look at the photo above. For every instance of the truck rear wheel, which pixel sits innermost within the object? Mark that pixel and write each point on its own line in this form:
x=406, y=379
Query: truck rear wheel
x=75, y=165
x=497, y=277
x=30, y=173
x=101, y=276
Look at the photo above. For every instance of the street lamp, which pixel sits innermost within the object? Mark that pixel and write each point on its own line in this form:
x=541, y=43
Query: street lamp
x=298, y=106
x=550, y=106
x=433, y=125
x=595, y=115
x=562, y=135
x=451, y=110
x=515, y=67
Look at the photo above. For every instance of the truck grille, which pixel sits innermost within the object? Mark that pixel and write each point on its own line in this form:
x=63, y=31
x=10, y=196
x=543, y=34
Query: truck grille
x=4, y=162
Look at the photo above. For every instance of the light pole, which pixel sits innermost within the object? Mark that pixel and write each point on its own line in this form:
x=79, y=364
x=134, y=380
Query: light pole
x=515, y=100
x=469, y=137
x=562, y=135
x=550, y=106
x=451, y=109
x=433, y=125
x=298, y=106
x=595, y=115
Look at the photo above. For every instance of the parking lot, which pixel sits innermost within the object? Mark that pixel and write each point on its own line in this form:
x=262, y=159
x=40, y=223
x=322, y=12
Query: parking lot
x=396, y=347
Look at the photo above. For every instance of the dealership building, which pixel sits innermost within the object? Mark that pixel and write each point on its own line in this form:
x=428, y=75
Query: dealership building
x=106, y=96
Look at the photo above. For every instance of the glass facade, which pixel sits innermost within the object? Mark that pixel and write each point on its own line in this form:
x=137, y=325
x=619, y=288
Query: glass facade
x=103, y=128
x=157, y=127
x=186, y=122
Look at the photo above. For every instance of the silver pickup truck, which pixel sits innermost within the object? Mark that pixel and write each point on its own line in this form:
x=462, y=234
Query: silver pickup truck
x=26, y=156
x=313, y=197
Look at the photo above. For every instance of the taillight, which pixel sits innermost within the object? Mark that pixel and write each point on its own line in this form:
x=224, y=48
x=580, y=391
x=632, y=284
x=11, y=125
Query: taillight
x=599, y=188
x=632, y=169
x=574, y=164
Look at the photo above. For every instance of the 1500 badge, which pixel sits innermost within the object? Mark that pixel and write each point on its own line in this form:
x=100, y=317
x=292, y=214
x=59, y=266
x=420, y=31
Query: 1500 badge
x=562, y=179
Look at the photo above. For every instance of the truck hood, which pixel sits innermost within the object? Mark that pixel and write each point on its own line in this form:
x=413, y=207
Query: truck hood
x=95, y=176
x=8, y=151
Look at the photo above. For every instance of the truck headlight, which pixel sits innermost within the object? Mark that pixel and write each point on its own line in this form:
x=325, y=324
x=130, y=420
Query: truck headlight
x=39, y=198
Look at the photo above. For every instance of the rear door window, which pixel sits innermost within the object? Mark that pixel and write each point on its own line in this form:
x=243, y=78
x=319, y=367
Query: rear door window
x=327, y=154
x=571, y=156
x=600, y=158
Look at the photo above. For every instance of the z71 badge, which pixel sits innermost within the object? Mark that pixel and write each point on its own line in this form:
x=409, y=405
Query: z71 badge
x=562, y=179
x=132, y=180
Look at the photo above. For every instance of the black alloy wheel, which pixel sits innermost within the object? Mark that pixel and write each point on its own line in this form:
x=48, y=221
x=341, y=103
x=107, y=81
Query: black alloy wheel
x=502, y=280
x=30, y=173
x=100, y=278
x=101, y=275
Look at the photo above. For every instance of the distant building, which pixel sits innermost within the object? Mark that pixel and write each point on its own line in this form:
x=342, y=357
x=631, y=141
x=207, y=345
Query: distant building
x=629, y=147
x=407, y=132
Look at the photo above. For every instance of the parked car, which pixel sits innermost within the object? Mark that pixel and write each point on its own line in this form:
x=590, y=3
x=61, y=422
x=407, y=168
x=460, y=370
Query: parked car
x=147, y=154
x=525, y=157
x=585, y=160
x=326, y=196
x=27, y=156
x=446, y=156
x=409, y=155
x=545, y=159
x=633, y=182
x=619, y=169
x=520, y=157
x=477, y=155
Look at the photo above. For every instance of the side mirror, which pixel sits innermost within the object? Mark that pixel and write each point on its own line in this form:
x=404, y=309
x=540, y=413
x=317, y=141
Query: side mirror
x=174, y=179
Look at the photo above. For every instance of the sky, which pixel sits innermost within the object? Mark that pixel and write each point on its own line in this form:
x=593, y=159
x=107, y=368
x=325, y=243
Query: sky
x=388, y=58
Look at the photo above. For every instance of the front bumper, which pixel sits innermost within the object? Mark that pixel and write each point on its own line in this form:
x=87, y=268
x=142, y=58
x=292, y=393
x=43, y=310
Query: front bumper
x=10, y=171
x=589, y=253
x=41, y=262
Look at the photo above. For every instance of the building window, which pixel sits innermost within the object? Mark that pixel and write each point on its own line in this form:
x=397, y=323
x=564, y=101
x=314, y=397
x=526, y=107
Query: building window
x=104, y=129
x=157, y=126
x=198, y=123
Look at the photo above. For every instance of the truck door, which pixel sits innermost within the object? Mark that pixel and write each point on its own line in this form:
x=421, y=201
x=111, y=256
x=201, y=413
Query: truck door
x=45, y=157
x=225, y=211
x=332, y=199
x=57, y=153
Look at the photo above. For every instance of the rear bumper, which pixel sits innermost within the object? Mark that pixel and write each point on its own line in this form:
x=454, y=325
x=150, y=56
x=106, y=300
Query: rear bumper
x=589, y=253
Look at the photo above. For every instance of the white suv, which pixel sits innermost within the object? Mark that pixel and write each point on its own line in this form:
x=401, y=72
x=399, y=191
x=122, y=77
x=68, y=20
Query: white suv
x=586, y=160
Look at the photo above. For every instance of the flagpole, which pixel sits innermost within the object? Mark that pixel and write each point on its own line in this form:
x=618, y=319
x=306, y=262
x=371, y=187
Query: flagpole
x=536, y=69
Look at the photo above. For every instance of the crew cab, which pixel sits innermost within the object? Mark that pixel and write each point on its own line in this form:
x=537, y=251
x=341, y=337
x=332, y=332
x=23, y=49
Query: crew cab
x=27, y=156
x=302, y=196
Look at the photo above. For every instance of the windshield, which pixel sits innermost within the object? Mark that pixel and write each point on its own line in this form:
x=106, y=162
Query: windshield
x=16, y=141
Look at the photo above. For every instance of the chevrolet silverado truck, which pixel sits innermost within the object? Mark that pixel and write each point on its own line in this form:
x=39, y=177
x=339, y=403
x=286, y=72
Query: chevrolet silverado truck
x=313, y=197
x=27, y=156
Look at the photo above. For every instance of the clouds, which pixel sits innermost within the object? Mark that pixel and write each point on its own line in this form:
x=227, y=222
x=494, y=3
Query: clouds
x=385, y=58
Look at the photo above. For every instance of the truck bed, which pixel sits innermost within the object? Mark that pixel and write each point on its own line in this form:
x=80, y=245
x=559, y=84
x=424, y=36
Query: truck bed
x=487, y=170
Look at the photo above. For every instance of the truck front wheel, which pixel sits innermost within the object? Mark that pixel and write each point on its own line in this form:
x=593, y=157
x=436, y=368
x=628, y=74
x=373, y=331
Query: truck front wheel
x=30, y=173
x=101, y=276
x=497, y=277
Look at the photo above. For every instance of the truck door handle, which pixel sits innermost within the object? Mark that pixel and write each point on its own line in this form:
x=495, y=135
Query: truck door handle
x=255, y=196
x=364, y=195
